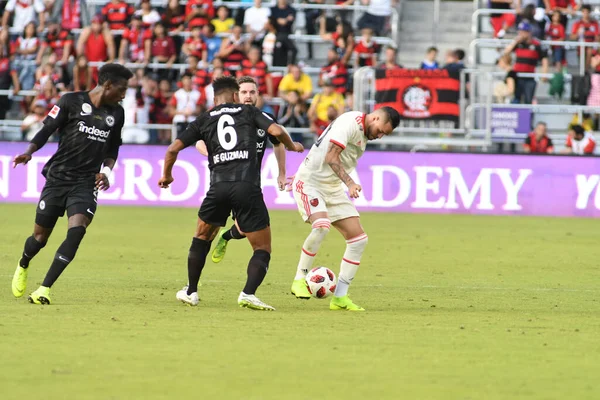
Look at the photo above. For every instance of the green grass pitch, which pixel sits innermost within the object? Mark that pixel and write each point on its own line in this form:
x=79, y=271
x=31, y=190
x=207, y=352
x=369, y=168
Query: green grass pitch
x=458, y=307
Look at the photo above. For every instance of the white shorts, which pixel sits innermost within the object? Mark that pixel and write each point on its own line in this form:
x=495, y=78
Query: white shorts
x=314, y=199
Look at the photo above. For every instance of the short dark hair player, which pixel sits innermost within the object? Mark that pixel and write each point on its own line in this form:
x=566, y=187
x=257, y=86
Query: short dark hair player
x=229, y=132
x=89, y=127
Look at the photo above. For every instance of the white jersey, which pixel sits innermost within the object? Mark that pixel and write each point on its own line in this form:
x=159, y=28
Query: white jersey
x=348, y=132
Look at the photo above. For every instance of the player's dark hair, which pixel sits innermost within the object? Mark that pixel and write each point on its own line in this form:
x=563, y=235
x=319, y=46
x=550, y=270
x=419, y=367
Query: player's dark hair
x=225, y=84
x=113, y=73
x=586, y=7
x=432, y=48
x=460, y=54
x=578, y=129
x=393, y=116
x=247, y=79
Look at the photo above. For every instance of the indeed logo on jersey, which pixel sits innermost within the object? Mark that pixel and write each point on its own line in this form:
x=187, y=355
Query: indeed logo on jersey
x=230, y=156
x=93, y=132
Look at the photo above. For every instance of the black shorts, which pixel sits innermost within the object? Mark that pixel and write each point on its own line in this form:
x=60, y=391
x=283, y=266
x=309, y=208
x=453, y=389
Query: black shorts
x=74, y=197
x=243, y=199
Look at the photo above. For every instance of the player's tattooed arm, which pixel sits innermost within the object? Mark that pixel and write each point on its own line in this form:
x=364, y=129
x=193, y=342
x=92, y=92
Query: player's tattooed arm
x=333, y=160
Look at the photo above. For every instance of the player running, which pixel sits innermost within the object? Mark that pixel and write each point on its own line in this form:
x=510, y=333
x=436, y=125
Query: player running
x=249, y=95
x=229, y=131
x=321, y=199
x=89, y=127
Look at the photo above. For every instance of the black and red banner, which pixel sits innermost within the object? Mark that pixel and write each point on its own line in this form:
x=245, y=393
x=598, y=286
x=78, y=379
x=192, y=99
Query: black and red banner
x=419, y=94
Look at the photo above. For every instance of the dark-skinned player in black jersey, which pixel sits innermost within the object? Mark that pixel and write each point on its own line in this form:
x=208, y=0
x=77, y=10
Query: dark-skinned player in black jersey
x=229, y=131
x=89, y=126
x=248, y=94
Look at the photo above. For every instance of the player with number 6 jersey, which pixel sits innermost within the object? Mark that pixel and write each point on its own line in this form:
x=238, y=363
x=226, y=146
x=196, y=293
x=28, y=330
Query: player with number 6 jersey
x=229, y=132
x=322, y=202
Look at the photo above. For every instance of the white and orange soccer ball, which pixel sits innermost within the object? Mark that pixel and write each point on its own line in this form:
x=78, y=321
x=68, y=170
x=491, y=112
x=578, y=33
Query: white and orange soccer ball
x=321, y=282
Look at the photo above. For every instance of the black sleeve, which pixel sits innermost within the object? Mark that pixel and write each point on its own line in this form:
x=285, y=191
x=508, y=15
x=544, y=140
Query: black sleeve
x=272, y=139
x=193, y=132
x=528, y=140
x=57, y=118
x=550, y=144
x=115, y=136
x=262, y=120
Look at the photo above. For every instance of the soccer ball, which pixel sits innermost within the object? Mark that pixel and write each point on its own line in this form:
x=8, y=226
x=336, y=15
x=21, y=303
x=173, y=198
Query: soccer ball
x=321, y=282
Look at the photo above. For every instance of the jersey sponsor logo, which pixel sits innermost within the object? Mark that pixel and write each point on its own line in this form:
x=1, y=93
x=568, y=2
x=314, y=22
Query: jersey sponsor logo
x=93, y=132
x=225, y=110
x=230, y=156
x=261, y=132
x=86, y=110
x=42, y=205
x=110, y=121
x=260, y=146
x=54, y=112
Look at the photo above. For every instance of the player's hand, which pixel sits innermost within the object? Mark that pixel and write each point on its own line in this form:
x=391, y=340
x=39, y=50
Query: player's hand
x=288, y=184
x=281, y=182
x=102, y=182
x=165, y=181
x=298, y=148
x=22, y=159
x=354, y=190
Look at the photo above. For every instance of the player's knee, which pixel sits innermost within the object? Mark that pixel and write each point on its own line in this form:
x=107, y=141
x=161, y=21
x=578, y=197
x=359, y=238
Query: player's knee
x=41, y=237
x=261, y=258
x=355, y=247
x=321, y=227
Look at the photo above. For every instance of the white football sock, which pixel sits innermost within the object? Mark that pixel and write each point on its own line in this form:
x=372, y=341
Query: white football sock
x=355, y=248
x=320, y=229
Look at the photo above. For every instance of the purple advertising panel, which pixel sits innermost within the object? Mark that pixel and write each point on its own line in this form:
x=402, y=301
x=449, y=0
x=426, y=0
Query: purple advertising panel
x=511, y=121
x=391, y=182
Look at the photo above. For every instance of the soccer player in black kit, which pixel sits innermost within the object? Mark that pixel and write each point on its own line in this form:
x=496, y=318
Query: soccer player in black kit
x=89, y=126
x=229, y=131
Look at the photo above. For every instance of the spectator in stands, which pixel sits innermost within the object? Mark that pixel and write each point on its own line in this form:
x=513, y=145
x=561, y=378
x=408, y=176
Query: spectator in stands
x=49, y=94
x=454, y=60
x=199, y=12
x=209, y=91
x=132, y=42
x=255, y=21
x=33, y=122
x=8, y=74
x=117, y=14
x=200, y=76
x=505, y=91
x=377, y=15
x=213, y=42
x=579, y=142
x=72, y=14
x=587, y=30
x=312, y=18
x=593, y=98
x=335, y=71
x=430, y=61
x=233, y=49
x=27, y=47
x=82, y=74
x=149, y=15
x=342, y=39
x=136, y=107
x=159, y=113
x=538, y=142
x=283, y=17
x=60, y=43
x=186, y=104
x=174, y=19
x=325, y=107
x=255, y=67
x=501, y=22
x=366, y=50
x=195, y=46
x=390, y=58
x=49, y=71
x=24, y=12
x=293, y=115
x=556, y=32
x=529, y=53
x=566, y=7
x=298, y=81
x=587, y=123
x=96, y=43
x=269, y=43
x=160, y=48
x=537, y=21
x=223, y=23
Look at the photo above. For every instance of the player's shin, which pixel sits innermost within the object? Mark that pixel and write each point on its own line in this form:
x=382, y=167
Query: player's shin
x=196, y=260
x=257, y=270
x=30, y=250
x=64, y=255
x=355, y=248
x=320, y=229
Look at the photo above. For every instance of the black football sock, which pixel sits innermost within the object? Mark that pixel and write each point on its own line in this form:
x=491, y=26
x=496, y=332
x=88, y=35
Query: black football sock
x=196, y=260
x=233, y=233
x=32, y=247
x=64, y=255
x=257, y=269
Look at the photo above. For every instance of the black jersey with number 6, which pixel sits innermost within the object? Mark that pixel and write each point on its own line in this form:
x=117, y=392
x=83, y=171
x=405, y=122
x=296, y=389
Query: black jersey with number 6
x=230, y=134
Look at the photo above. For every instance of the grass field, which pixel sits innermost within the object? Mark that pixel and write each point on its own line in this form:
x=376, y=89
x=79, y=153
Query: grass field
x=458, y=307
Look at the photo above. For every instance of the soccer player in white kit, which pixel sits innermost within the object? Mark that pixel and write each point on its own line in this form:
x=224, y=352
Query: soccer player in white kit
x=322, y=200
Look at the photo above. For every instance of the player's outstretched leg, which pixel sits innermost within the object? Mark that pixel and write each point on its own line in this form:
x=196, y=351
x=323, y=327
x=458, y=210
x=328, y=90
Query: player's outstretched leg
x=257, y=270
x=63, y=257
x=320, y=229
x=224, y=236
x=33, y=245
x=355, y=247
